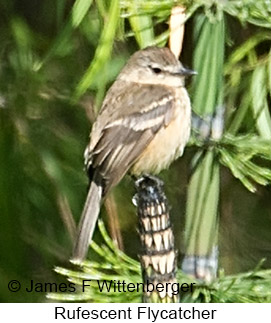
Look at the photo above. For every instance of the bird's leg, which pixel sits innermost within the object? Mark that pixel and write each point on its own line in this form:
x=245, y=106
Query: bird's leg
x=149, y=180
x=148, y=186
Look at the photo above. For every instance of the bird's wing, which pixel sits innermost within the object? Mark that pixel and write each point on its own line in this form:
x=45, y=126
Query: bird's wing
x=130, y=130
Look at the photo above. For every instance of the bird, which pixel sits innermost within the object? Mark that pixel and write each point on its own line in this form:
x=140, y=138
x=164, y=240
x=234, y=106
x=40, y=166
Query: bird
x=143, y=125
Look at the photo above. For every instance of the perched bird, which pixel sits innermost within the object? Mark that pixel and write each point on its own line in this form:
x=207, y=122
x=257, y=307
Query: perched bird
x=143, y=125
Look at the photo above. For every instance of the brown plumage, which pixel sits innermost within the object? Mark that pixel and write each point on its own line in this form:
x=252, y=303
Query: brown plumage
x=143, y=125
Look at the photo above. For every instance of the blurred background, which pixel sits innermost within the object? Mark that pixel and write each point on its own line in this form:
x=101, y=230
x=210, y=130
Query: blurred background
x=58, y=58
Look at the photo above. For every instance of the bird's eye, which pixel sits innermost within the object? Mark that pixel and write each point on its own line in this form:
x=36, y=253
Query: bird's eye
x=156, y=70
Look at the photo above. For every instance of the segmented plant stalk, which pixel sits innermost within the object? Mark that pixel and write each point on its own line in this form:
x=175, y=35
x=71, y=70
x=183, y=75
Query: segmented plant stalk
x=158, y=258
x=201, y=228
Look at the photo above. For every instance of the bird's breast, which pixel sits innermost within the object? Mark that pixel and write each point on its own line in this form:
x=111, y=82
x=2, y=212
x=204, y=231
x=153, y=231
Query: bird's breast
x=169, y=142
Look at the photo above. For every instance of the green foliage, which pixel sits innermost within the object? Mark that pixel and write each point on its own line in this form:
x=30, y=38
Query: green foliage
x=253, y=286
x=245, y=76
x=112, y=265
x=239, y=153
x=248, y=11
x=208, y=62
x=202, y=203
x=103, y=50
x=142, y=27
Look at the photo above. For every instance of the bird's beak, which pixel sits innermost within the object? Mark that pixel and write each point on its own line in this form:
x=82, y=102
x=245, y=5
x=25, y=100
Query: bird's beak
x=186, y=72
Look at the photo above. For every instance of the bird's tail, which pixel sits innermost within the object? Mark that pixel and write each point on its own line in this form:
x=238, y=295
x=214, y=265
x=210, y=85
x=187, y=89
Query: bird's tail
x=87, y=222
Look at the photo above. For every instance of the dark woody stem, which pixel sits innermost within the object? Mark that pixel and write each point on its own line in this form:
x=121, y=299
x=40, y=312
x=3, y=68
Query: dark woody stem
x=158, y=258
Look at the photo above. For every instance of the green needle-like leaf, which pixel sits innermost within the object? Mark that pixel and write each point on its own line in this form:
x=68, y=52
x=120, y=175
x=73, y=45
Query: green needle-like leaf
x=103, y=51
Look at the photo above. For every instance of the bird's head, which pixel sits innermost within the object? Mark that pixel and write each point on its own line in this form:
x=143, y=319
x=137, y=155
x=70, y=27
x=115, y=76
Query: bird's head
x=154, y=65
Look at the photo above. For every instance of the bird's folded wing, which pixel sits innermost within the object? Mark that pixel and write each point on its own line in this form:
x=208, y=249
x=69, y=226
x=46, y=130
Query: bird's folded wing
x=125, y=137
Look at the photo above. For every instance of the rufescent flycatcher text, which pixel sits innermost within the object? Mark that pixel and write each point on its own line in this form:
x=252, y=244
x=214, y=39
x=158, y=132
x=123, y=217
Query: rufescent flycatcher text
x=143, y=125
